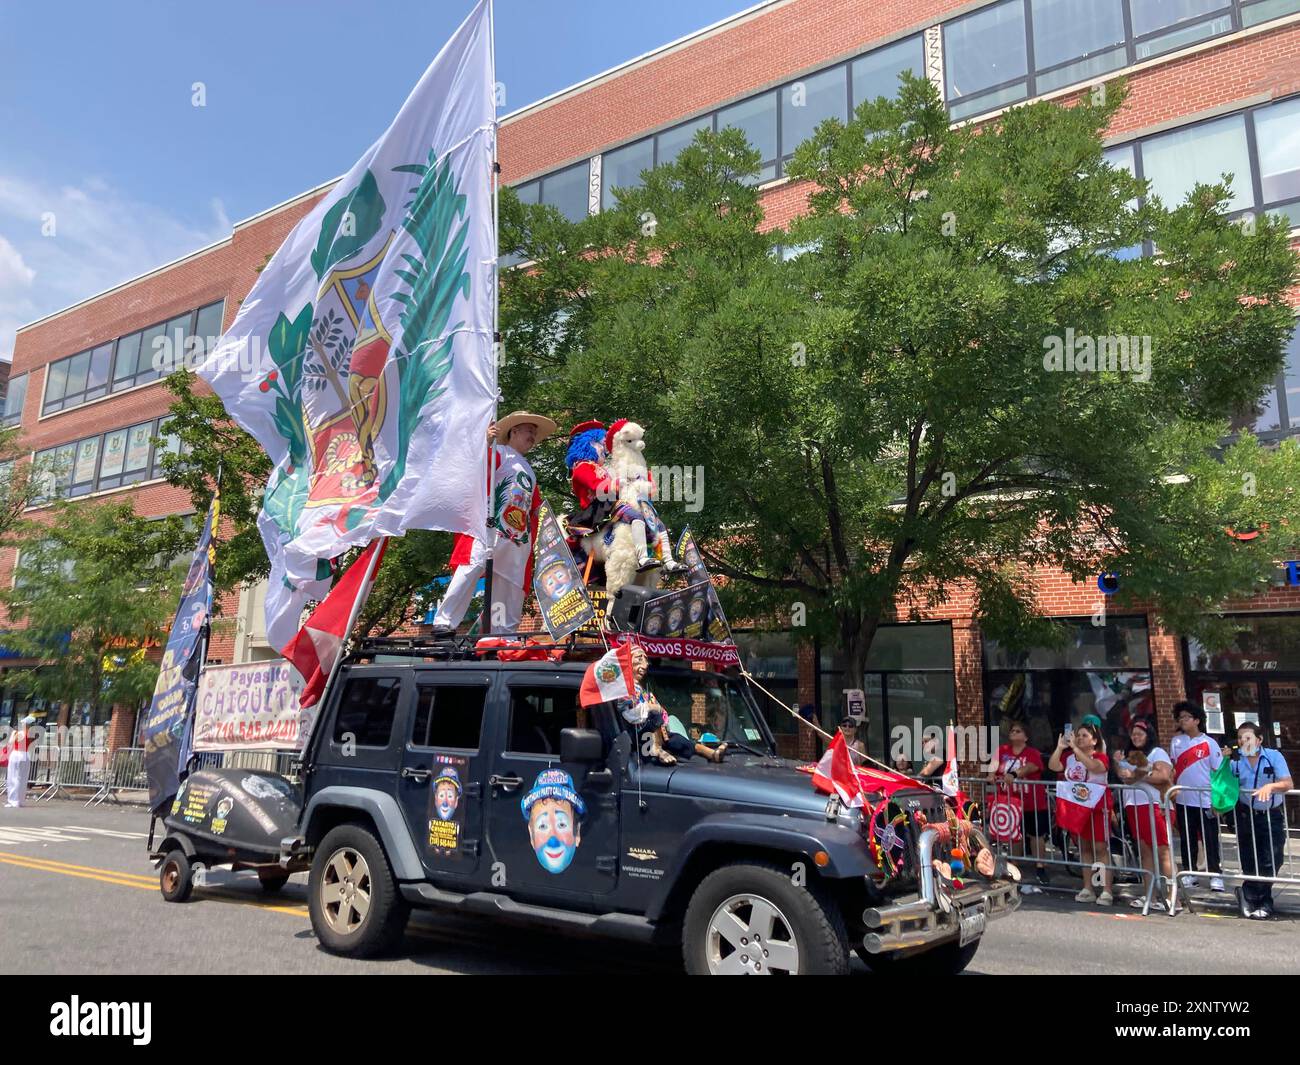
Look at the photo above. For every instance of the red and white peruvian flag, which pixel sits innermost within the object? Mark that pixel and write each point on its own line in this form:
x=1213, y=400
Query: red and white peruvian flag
x=951, y=786
x=835, y=772
x=319, y=642
x=609, y=677
x=1075, y=802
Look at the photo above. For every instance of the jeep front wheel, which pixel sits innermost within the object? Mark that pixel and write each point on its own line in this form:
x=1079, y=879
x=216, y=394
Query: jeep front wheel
x=751, y=919
x=356, y=909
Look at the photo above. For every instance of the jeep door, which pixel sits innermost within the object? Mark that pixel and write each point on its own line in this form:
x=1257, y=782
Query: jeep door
x=553, y=828
x=439, y=783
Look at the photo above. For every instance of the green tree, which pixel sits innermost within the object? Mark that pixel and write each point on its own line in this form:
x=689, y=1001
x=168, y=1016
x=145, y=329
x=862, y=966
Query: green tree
x=880, y=417
x=94, y=588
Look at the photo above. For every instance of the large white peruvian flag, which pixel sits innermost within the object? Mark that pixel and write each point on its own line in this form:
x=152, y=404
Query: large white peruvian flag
x=362, y=358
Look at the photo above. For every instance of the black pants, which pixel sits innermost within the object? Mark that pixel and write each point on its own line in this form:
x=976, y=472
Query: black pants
x=1194, y=824
x=1261, y=837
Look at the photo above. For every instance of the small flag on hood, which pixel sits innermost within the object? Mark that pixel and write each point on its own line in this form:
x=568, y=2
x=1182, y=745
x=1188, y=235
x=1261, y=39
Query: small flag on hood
x=609, y=677
x=951, y=786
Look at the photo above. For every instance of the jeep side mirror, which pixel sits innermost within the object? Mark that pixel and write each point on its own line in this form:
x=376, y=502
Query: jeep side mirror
x=582, y=745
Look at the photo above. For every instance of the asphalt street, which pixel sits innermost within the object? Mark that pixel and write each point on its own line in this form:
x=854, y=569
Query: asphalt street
x=78, y=895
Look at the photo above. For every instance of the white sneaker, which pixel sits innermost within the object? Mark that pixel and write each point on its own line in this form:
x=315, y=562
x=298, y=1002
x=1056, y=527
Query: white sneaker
x=1086, y=895
x=1105, y=899
x=1188, y=882
x=1216, y=884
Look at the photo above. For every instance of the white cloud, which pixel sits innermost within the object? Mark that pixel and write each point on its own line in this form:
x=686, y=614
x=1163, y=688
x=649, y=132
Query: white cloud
x=60, y=245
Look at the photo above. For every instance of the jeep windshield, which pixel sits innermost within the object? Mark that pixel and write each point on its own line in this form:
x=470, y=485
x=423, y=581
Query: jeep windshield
x=708, y=707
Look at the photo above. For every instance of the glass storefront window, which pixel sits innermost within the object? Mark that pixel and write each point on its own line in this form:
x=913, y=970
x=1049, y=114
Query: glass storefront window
x=771, y=658
x=1119, y=644
x=1262, y=644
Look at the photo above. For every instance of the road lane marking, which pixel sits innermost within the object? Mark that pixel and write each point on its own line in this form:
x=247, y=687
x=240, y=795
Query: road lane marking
x=11, y=834
x=135, y=880
x=109, y=832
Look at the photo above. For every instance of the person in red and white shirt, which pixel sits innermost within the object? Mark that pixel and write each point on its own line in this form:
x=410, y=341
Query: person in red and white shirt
x=1148, y=768
x=512, y=527
x=1195, y=757
x=1020, y=767
x=1086, y=764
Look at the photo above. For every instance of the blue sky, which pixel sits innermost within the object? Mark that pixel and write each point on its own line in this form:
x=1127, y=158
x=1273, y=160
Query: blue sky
x=98, y=127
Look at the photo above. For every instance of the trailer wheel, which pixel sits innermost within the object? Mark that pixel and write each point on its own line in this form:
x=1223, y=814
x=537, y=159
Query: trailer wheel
x=175, y=877
x=356, y=908
x=272, y=880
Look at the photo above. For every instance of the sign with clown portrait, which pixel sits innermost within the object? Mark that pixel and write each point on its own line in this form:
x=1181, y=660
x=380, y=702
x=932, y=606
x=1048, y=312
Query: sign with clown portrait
x=446, y=811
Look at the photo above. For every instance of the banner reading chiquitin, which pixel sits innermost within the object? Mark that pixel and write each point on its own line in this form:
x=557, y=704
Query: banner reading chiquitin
x=253, y=706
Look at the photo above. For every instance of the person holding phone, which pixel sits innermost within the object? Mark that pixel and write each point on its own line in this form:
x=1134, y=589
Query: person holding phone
x=1080, y=759
x=1261, y=824
x=1148, y=768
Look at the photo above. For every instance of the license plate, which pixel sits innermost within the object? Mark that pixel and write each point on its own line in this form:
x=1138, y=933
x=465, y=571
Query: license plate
x=972, y=924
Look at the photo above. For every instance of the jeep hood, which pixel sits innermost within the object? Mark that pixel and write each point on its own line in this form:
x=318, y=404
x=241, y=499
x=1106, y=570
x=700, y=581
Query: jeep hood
x=774, y=783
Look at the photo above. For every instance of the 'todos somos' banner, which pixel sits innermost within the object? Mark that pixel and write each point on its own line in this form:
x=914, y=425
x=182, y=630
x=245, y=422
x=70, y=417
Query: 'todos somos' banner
x=253, y=706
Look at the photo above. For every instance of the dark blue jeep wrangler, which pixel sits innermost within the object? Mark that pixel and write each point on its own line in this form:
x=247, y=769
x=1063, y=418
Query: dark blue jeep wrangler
x=483, y=786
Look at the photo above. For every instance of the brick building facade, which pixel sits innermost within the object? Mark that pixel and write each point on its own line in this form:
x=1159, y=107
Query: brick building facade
x=1214, y=86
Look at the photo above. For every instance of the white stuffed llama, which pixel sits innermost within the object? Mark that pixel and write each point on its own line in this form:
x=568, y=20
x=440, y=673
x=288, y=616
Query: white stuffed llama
x=634, y=546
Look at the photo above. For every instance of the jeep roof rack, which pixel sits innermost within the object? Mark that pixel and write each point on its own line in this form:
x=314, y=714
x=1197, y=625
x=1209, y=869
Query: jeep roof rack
x=461, y=648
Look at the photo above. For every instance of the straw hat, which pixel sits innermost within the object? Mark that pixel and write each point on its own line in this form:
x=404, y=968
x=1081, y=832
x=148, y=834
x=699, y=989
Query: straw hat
x=545, y=427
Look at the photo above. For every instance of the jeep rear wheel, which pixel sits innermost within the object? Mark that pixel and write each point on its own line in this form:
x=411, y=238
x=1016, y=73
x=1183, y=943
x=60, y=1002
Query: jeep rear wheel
x=356, y=909
x=751, y=919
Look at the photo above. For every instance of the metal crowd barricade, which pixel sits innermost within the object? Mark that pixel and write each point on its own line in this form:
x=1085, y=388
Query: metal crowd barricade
x=1060, y=848
x=1277, y=845
x=57, y=768
x=124, y=772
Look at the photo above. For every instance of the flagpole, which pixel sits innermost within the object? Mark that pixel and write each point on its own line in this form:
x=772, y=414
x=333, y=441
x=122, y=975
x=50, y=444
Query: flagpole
x=489, y=545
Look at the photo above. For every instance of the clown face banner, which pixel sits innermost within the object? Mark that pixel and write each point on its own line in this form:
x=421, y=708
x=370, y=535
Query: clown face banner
x=362, y=358
x=561, y=595
x=553, y=811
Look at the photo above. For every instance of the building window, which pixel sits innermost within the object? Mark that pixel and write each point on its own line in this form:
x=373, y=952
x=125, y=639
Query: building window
x=1277, y=411
x=566, y=191
x=771, y=658
x=1174, y=162
x=15, y=397
x=671, y=142
x=1075, y=40
x=1256, y=11
x=909, y=685
x=808, y=102
x=621, y=169
x=1277, y=140
x=876, y=74
x=1101, y=670
x=756, y=118
x=132, y=360
x=102, y=462
x=1163, y=25
x=985, y=59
